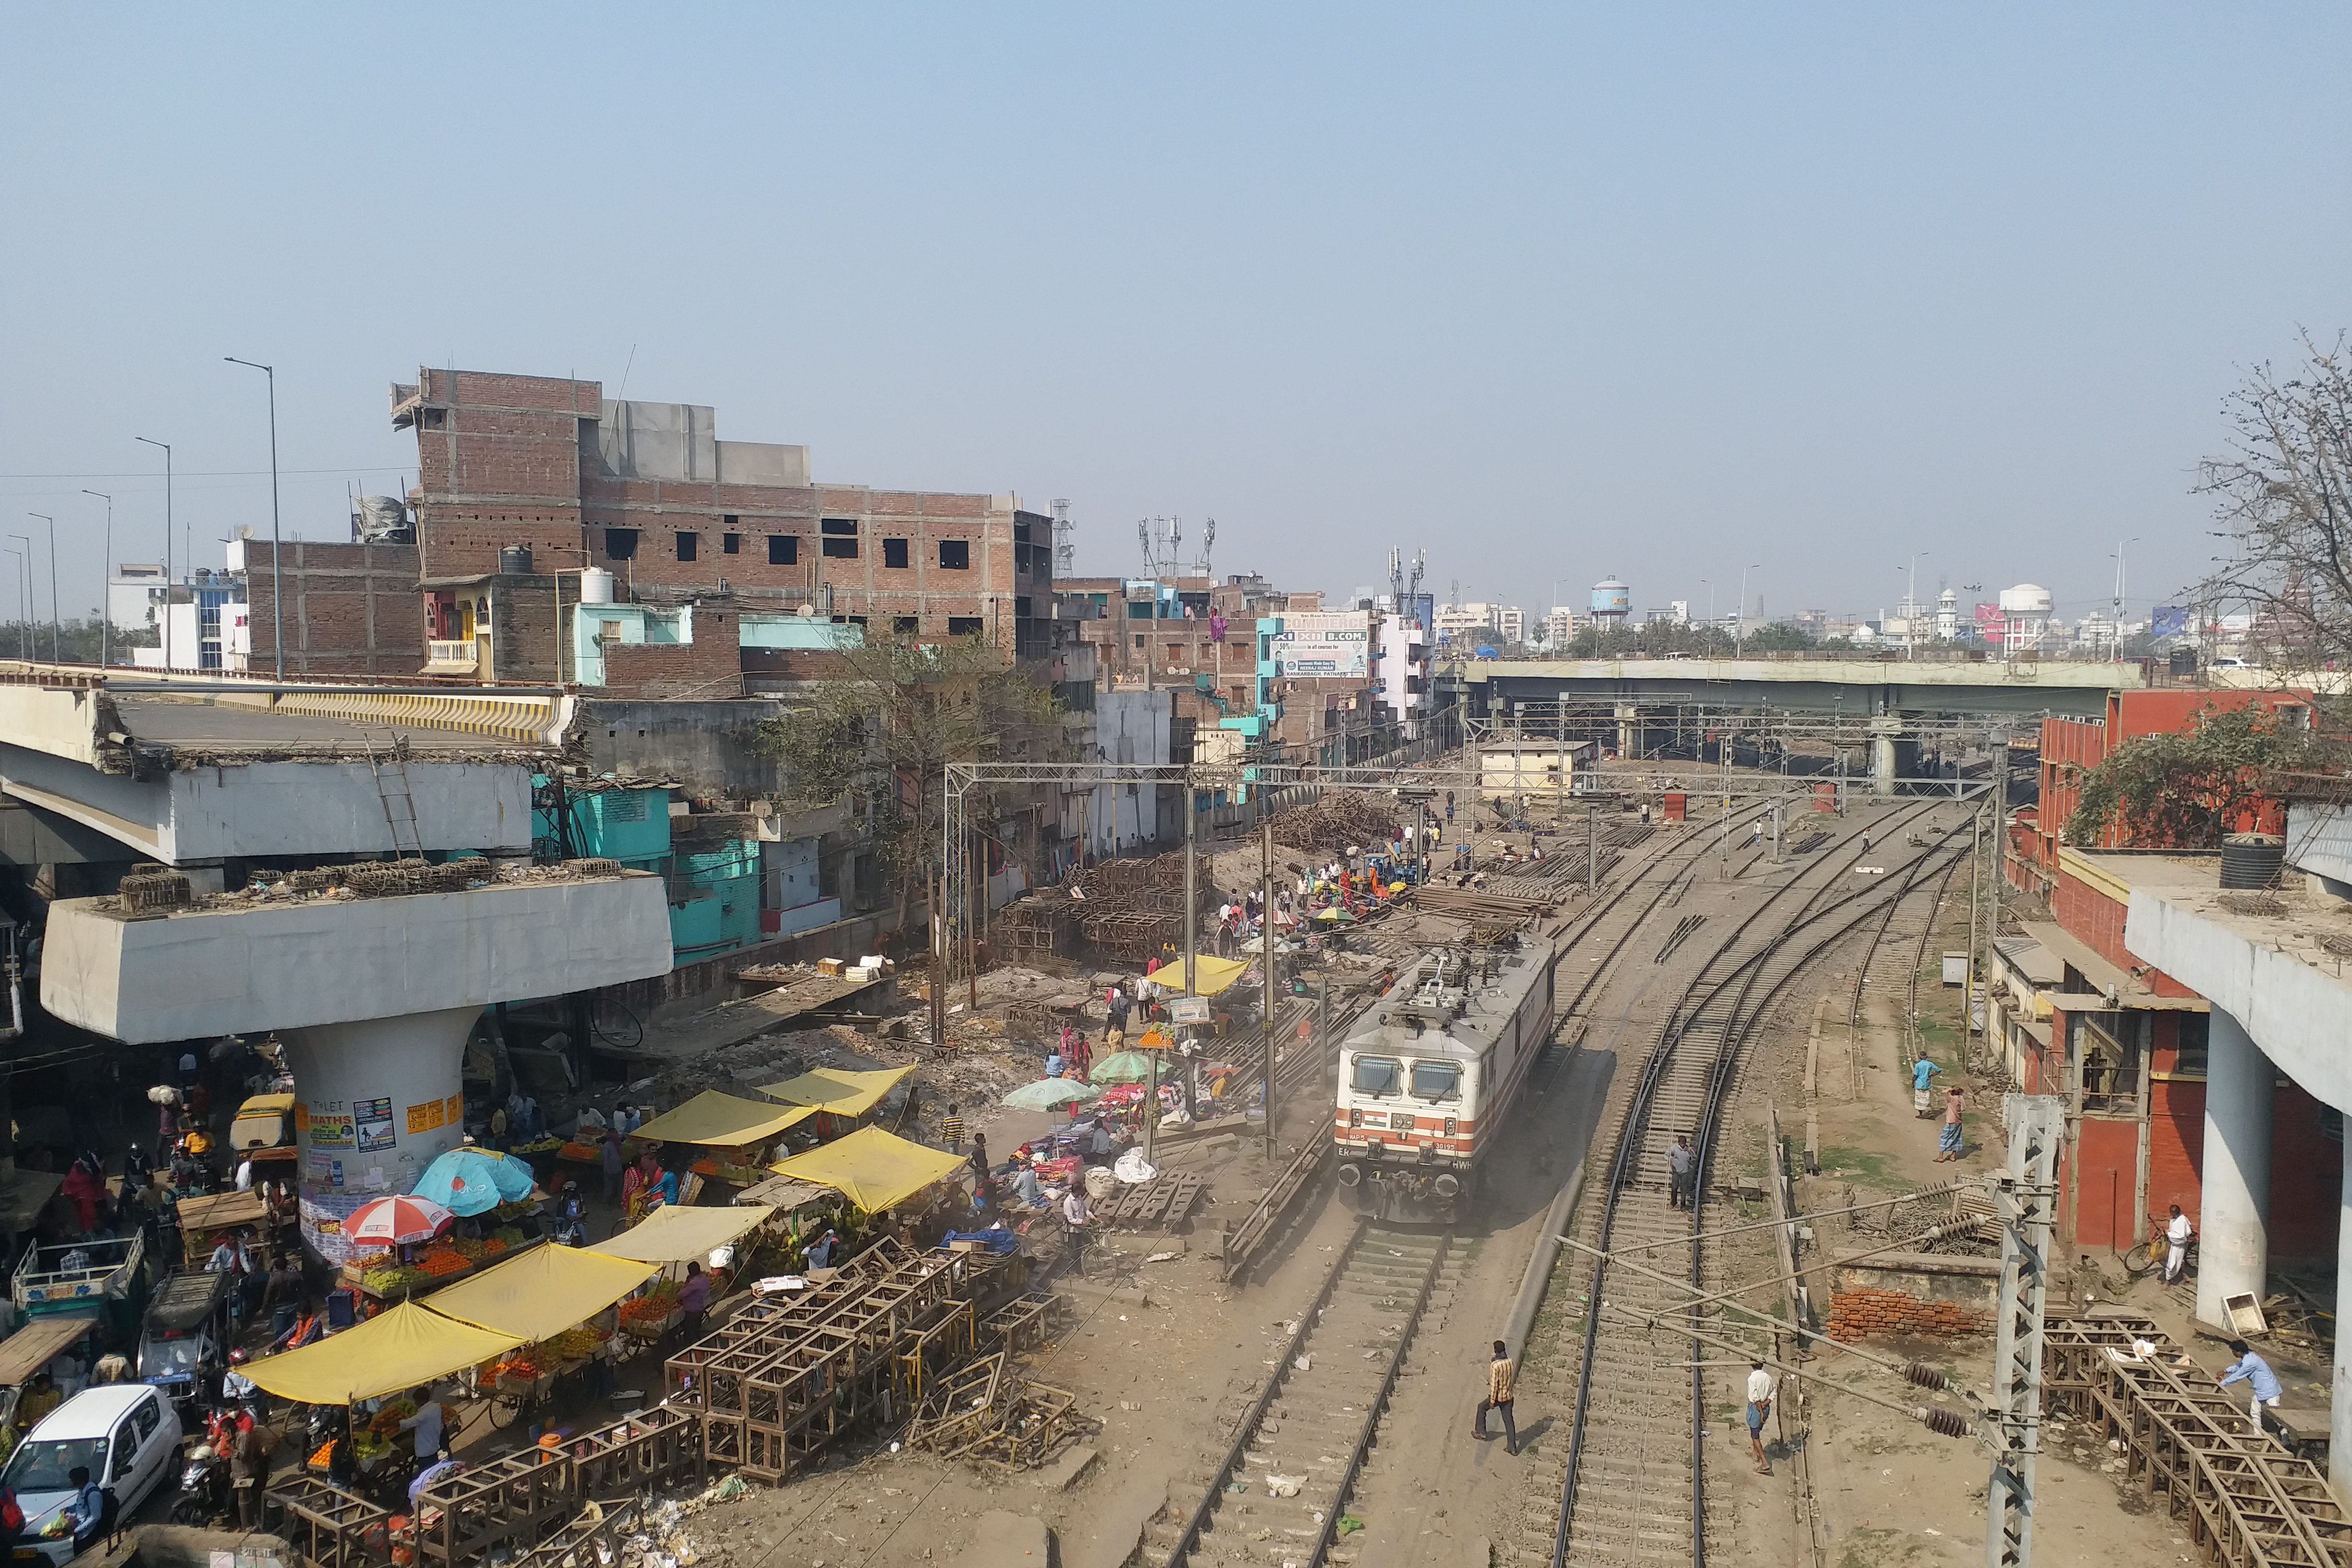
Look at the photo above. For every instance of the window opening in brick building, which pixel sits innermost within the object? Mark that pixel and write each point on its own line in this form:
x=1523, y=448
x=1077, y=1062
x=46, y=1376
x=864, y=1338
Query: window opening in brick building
x=955, y=554
x=906, y=625
x=784, y=549
x=729, y=520
x=685, y=543
x=1021, y=607
x=621, y=543
x=840, y=538
x=858, y=620
x=730, y=544
x=963, y=625
x=894, y=553
x=1138, y=609
x=434, y=418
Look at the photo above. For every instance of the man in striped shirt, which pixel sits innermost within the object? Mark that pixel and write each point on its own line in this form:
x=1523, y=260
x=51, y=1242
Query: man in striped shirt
x=952, y=1128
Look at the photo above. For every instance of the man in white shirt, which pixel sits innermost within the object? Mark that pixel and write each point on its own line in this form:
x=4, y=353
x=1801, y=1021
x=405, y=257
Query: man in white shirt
x=2177, y=1232
x=1760, y=1405
x=1074, y=1208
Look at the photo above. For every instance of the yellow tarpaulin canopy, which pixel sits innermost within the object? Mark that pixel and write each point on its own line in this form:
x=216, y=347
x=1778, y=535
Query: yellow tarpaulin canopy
x=873, y=1168
x=388, y=1355
x=838, y=1090
x=720, y=1119
x=676, y=1235
x=1210, y=976
x=541, y=1293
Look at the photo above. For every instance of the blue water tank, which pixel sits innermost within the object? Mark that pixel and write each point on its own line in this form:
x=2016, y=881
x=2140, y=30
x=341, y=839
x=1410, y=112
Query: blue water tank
x=1611, y=598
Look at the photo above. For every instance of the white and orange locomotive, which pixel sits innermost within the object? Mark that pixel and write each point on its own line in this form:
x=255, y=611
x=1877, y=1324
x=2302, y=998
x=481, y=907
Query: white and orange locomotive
x=1431, y=1072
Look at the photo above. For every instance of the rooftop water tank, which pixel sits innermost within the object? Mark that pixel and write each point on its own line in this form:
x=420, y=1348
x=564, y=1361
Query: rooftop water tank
x=514, y=561
x=595, y=586
x=2025, y=599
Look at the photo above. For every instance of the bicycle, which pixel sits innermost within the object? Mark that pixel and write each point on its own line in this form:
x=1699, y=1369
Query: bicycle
x=1096, y=1263
x=2146, y=1256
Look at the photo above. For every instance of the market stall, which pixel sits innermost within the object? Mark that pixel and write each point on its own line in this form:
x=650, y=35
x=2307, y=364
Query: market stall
x=873, y=1168
x=400, y=1349
x=843, y=1094
x=676, y=1235
x=734, y=1130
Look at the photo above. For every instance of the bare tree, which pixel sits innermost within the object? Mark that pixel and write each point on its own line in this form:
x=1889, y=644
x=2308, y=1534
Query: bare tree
x=2282, y=493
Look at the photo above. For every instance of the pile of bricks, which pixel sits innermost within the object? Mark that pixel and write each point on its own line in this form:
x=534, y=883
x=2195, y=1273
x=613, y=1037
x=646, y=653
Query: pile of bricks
x=1861, y=1314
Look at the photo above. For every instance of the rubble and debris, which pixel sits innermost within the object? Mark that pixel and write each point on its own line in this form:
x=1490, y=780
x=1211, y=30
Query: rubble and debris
x=988, y=1415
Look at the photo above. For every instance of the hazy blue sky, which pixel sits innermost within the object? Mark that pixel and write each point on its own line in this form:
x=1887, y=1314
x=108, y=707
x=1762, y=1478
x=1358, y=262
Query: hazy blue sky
x=1556, y=292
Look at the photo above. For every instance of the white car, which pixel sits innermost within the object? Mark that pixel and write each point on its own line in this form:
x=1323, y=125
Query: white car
x=125, y=1433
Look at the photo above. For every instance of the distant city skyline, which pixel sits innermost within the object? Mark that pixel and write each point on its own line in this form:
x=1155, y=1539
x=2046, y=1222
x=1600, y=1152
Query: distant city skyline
x=1549, y=294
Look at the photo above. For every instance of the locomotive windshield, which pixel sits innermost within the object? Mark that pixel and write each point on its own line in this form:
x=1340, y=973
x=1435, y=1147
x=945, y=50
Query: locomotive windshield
x=1436, y=1080
x=1378, y=1075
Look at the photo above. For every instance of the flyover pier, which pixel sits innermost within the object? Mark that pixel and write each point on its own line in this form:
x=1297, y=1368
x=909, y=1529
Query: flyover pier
x=372, y=994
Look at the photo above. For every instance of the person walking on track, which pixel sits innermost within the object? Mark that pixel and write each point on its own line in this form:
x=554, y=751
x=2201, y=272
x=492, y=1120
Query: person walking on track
x=1948, y=1145
x=1760, y=1405
x=1921, y=1071
x=1499, y=1399
x=1682, y=1171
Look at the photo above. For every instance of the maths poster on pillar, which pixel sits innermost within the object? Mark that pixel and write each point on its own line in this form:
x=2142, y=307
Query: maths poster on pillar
x=330, y=1125
x=372, y=1122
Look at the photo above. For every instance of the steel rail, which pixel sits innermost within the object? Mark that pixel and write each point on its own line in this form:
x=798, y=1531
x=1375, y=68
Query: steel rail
x=1684, y=1013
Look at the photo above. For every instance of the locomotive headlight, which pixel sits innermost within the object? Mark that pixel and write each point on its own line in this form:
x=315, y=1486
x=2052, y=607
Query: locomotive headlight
x=1450, y=1125
x=1446, y=1186
x=1356, y=1117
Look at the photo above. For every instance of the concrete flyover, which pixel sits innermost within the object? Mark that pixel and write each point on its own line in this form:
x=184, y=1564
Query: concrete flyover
x=372, y=994
x=196, y=772
x=1884, y=709
x=2273, y=968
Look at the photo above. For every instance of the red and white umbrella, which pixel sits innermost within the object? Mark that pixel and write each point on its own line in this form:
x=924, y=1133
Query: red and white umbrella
x=396, y=1221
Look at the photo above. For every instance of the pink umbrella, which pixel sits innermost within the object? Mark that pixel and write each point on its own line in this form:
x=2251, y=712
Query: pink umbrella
x=396, y=1221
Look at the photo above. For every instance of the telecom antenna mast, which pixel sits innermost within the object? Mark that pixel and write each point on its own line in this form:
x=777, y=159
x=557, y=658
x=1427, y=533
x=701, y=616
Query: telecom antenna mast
x=1163, y=547
x=1066, y=543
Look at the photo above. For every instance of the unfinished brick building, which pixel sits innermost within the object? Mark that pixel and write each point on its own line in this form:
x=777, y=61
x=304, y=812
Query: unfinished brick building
x=530, y=489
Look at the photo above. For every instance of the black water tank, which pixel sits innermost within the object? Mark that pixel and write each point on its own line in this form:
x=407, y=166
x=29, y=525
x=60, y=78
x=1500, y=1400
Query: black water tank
x=2184, y=663
x=514, y=561
x=2251, y=859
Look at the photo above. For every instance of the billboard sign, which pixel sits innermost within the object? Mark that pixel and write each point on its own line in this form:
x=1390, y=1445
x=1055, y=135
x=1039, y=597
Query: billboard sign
x=2171, y=621
x=1323, y=642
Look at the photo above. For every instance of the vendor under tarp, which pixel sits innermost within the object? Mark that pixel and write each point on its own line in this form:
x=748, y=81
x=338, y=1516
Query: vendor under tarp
x=1210, y=977
x=543, y=1292
x=409, y=1345
x=873, y=1168
x=720, y=1120
x=838, y=1090
x=676, y=1235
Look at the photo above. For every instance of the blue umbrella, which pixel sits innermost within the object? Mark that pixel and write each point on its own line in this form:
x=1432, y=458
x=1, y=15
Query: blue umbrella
x=474, y=1181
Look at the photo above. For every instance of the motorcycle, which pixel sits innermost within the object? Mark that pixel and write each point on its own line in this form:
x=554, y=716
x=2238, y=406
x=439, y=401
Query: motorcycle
x=205, y=1492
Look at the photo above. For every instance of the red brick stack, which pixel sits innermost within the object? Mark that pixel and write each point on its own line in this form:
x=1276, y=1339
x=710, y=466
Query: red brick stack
x=1862, y=1314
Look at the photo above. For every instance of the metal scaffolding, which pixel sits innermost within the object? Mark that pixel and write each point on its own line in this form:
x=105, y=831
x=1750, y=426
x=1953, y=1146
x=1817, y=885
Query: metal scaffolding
x=2026, y=1200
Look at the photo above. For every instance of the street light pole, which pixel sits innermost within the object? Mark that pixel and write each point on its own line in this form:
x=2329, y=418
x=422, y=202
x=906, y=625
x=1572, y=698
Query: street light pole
x=277, y=584
x=55, y=656
x=1739, y=616
x=30, y=603
x=106, y=592
x=1911, y=610
x=167, y=627
x=24, y=572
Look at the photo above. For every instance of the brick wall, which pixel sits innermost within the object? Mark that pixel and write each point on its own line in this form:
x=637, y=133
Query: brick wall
x=2097, y=920
x=708, y=667
x=1866, y=1314
x=523, y=644
x=350, y=609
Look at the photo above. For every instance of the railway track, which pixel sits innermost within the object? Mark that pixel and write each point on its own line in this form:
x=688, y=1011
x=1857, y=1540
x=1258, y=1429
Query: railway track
x=1277, y=1493
x=1634, y=1488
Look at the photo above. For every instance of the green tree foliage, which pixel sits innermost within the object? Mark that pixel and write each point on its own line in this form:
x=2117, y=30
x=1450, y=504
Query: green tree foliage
x=2185, y=788
x=881, y=732
x=76, y=642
